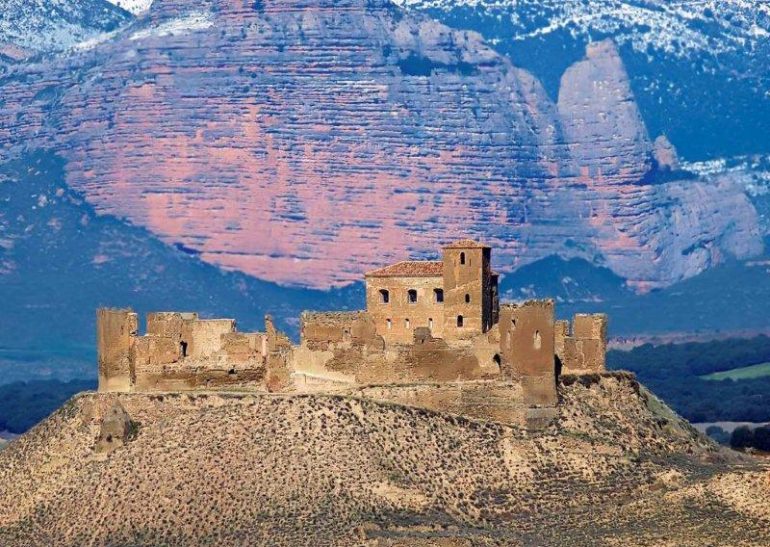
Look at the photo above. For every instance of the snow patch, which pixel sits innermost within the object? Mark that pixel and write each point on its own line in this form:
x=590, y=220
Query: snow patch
x=676, y=27
x=176, y=27
x=134, y=6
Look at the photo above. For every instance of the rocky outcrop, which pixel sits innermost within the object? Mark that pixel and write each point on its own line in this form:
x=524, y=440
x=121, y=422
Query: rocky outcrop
x=603, y=128
x=306, y=142
x=649, y=233
x=115, y=430
x=665, y=153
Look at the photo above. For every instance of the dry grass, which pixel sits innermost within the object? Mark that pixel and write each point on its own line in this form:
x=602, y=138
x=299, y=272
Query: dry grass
x=222, y=469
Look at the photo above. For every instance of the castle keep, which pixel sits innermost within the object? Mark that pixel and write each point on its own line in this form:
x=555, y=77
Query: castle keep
x=433, y=335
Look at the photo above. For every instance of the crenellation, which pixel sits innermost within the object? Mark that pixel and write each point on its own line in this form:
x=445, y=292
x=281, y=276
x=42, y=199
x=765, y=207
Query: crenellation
x=408, y=340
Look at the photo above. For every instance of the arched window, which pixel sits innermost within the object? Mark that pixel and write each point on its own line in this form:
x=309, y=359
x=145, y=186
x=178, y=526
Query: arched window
x=406, y=323
x=439, y=295
x=459, y=320
x=384, y=296
x=462, y=258
x=513, y=324
x=467, y=299
x=538, y=342
x=412, y=296
x=430, y=323
x=389, y=323
x=496, y=359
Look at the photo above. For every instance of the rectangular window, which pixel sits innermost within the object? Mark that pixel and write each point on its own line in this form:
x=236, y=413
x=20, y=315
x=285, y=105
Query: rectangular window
x=412, y=296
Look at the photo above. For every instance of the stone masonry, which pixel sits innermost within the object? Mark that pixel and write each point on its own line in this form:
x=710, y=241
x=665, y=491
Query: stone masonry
x=433, y=335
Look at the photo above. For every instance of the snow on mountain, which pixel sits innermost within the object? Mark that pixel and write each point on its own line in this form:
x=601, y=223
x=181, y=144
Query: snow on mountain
x=677, y=27
x=133, y=6
x=698, y=69
x=42, y=26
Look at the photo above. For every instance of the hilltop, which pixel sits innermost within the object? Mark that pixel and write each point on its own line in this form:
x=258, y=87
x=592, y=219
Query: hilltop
x=616, y=468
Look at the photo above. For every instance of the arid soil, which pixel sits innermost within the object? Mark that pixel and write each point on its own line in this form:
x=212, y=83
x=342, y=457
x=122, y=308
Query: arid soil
x=617, y=467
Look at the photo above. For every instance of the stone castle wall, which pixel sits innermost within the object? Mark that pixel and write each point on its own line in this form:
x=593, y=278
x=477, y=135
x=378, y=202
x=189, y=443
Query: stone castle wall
x=583, y=348
x=519, y=357
x=115, y=331
x=181, y=352
x=527, y=349
x=397, y=319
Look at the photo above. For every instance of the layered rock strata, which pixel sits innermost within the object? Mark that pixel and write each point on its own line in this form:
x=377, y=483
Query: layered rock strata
x=305, y=142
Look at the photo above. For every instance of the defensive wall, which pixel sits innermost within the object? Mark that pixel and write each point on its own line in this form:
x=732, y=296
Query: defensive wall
x=433, y=335
x=181, y=352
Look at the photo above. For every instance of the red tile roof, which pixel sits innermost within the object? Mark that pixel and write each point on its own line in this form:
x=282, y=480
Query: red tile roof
x=410, y=268
x=466, y=244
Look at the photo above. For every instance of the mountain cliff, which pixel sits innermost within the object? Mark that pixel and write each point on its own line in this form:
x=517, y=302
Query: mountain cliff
x=305, y=142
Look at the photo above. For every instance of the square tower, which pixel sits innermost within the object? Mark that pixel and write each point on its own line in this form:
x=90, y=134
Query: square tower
x=469, y=291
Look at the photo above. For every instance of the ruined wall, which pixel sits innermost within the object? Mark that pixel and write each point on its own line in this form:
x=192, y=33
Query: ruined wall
x=115, y=330
x=584, y=348
x=181, y=352
x=279, y=358
x=527, y=340
x=324, y=357
x=204, y=336
x=325, y=330
x=467, y=290
x=396, y=320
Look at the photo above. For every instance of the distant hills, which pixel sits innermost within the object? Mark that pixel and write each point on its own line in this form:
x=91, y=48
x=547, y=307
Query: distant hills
x=698, y=70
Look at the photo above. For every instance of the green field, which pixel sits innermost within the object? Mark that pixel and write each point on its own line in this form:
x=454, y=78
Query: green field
x=743, y=373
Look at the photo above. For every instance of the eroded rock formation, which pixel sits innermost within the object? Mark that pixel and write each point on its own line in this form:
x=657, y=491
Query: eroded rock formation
x=305, y=142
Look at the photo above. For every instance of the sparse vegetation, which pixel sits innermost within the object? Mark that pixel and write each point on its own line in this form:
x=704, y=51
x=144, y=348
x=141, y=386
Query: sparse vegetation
x=743, y=373
x=676, y=373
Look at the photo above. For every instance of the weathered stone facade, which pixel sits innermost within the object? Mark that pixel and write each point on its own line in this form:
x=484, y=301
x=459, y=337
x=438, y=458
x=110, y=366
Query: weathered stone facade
x=433, y=335
x=583, y=348
x=181, y=352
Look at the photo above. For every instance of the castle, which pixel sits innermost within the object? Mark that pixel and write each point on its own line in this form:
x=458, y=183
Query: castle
x=433, y=334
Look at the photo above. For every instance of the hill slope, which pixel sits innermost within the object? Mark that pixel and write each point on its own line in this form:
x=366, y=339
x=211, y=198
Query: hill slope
x=617, y=469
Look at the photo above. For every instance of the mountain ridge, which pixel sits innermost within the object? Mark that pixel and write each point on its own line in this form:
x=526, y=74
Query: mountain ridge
x=270, y=152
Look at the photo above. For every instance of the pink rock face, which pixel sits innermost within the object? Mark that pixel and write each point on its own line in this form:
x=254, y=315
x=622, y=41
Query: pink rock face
x=306, y=142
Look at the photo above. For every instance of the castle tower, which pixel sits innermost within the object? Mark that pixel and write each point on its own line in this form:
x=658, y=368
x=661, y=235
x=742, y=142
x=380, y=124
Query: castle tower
x=115, y=332
x=527, y=340
x=469, y=291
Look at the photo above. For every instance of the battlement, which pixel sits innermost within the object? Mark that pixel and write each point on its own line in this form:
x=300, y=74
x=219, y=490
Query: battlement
x=433, y=323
